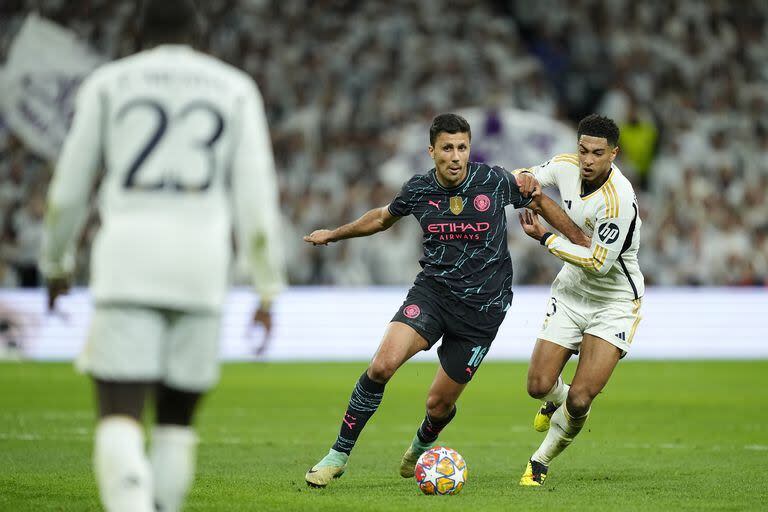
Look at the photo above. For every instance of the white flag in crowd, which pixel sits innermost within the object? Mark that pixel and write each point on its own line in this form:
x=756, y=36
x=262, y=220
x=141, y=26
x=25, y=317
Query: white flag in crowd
x=45, y=66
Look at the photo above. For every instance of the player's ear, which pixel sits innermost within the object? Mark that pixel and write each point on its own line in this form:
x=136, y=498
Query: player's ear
x=614, y=152
x=431, y=151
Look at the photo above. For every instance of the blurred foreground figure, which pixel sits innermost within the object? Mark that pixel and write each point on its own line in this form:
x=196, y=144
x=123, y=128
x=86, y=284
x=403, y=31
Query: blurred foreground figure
x=185, y=147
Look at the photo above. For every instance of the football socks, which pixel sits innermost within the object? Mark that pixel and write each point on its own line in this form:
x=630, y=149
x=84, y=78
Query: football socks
x=558, y=393
x=430, y=428
x=563, y=428
x=121, y=466
x=365, y=399
x=173, y=465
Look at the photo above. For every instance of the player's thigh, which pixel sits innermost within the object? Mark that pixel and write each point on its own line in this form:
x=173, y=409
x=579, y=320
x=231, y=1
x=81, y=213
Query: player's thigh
x=125, y=343
x=416, y=326
x=597, y=360
x=616, y=322
x=400, y=342
x=564, y=323
x=192, y=351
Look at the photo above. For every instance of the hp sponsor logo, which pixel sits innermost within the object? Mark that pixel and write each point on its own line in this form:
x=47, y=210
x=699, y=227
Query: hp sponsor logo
x=608, y=233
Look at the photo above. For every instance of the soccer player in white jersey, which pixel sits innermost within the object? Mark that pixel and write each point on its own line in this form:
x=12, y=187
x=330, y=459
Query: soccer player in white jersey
x=594, y=307
x=184, y=143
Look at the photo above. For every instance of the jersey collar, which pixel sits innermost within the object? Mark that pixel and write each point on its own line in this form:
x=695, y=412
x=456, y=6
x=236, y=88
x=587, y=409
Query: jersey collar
x=611, y=172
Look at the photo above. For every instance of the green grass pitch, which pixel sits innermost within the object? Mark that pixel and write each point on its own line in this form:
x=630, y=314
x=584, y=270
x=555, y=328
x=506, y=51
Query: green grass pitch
x=662, y=436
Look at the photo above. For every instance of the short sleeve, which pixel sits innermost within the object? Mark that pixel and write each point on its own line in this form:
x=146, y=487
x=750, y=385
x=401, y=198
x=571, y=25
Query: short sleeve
x=510, y=189
x=402, y=204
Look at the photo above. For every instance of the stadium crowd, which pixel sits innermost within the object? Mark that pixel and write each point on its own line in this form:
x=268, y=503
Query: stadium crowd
x=686, y=81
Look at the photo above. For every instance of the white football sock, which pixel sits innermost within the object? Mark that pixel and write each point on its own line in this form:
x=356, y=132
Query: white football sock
x=173, y=463
x=558, y=393
x=121, y=465
x=562, y=429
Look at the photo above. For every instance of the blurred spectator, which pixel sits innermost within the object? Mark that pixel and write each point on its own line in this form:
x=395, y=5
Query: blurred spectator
x=685, y=80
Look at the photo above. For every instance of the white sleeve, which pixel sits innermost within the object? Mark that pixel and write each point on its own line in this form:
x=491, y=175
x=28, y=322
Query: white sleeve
x=547, y=173
x=255, y=191
x=613, y=223
x=73, y=179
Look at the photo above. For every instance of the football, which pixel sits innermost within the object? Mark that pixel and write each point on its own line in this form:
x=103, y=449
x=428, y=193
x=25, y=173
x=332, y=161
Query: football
x=441, y=470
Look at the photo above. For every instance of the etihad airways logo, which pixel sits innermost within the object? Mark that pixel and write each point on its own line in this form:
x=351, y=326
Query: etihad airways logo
x=458, y=230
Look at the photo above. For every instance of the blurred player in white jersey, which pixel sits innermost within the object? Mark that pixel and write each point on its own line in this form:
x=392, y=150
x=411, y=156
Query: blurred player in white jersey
x=185, y=146
x=595, y=305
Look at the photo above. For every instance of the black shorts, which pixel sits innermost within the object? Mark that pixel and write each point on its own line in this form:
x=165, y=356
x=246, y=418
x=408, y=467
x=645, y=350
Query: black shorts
x=467, y=333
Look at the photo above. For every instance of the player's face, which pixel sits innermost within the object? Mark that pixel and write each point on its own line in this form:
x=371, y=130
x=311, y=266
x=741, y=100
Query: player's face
x=451, y=154
x=595, y=157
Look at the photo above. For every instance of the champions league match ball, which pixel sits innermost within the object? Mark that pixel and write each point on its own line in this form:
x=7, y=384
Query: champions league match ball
x=441, y=470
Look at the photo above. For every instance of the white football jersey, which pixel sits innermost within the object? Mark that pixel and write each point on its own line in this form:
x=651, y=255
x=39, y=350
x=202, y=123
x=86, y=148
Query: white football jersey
x=609, y=269
x=185, y=147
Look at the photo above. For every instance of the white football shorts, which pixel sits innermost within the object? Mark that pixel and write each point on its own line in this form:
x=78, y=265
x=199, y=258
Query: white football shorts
x=569, y=316
x=138, y=343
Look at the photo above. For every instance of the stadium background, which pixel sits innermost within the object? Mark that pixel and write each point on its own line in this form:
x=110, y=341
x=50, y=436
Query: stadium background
x=350, y=89
x=685, y=80
x=346, y=84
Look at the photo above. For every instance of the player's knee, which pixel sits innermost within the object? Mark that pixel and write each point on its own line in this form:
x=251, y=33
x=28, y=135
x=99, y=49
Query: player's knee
x=579, y=401
x=539, y=386
x=381, y=370
x=439, y=407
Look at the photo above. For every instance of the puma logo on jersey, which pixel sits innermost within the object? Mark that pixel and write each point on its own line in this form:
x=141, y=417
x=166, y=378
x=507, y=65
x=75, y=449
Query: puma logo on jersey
x=435, y=204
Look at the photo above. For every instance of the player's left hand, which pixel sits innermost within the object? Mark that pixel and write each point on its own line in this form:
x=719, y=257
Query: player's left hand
x=57, y=287
x=527, y=183
x=320, y=237
x=531, y=224
x=263, y=316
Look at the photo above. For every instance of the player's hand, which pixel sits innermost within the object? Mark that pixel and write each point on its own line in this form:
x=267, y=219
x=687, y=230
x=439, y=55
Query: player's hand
x=319, y=237
x=531, y=224
x=263, y=316
x=528, y=184
x=57, y=287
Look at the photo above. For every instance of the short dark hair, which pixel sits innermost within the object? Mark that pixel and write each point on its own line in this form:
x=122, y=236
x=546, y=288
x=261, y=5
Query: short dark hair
x=168, y=21
x=599, y=126
x=449, y=123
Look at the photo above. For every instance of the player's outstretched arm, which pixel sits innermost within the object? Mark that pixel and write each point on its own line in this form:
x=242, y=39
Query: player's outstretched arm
x=371, y=222
x=73, y=179
x=558, y=219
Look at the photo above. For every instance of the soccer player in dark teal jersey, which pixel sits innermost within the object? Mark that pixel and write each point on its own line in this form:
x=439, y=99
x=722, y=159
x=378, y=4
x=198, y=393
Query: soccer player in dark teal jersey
x=461, y=295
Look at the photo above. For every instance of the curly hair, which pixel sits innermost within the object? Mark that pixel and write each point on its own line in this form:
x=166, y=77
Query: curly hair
x=599, y=126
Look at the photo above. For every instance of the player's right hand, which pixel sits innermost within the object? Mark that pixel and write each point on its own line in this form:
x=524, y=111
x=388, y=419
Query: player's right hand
x=527, y=184
x=531, y=224
x=56, y=287
x=319, y=237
